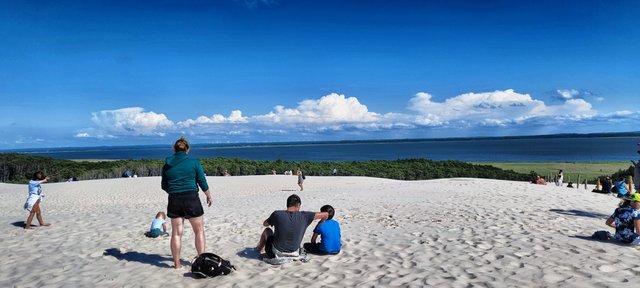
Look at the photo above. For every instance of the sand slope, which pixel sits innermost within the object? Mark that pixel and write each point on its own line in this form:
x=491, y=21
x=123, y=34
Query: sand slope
x=448, y=232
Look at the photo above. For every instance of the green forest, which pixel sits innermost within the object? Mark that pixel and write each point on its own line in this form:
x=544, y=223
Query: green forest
x=18, y=168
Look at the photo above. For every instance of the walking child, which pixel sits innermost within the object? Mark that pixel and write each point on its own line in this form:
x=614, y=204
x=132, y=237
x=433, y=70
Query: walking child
x=35, y=197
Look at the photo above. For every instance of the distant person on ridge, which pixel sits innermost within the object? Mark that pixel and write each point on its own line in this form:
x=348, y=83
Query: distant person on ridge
x=560, y=178
x=606, y=185
x=620, y=187
x=301, y=179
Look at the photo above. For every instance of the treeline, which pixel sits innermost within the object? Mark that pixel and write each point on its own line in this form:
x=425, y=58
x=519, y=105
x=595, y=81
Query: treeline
x=18, y=168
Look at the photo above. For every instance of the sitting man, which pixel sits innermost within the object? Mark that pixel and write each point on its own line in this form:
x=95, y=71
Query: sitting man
x=329, y=231
x=290, y=226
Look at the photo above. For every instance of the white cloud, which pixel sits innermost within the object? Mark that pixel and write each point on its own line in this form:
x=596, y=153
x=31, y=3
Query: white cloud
x=497, y=108
x=567, y=94
x=82, y=135
x=131, y=121
x=234, y=117
x=330, y=109
x=336, y=114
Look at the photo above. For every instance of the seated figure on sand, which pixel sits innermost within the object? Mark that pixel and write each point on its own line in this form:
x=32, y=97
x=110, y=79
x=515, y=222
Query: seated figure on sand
x=540, y=180
x=290, y=226
x=329, y=232
x=620, y=187
x=606, y=185
x=626, y=220
x=158, y=226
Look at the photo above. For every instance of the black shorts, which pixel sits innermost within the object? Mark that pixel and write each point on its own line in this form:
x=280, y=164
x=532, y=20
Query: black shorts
x=184, y=205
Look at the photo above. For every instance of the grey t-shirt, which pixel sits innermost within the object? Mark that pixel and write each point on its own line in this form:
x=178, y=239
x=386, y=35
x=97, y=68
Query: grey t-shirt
x=290, y=228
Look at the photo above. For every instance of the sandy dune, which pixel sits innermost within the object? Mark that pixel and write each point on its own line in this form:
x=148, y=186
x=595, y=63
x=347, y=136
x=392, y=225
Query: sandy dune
x=447, y=232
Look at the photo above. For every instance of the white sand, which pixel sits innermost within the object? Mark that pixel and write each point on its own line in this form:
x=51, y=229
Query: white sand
x=448, y=232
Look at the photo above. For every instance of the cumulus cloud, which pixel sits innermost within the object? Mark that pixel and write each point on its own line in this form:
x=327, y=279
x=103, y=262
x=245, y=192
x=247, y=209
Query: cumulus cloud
x=132, y=121
x=234, y=117
x=337, y=114
x=330, y=109
x=497, y=108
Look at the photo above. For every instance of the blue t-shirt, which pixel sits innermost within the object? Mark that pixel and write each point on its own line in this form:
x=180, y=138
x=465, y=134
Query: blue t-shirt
x=157, y=223
x=329, y=232
x=622, y=188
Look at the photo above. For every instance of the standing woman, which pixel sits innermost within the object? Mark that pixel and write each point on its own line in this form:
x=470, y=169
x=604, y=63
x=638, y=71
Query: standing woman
x=560, y=178
x=181, y=177
x=300, y=179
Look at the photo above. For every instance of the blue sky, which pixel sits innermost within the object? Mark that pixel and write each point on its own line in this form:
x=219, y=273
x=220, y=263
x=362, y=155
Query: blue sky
x=87, y=73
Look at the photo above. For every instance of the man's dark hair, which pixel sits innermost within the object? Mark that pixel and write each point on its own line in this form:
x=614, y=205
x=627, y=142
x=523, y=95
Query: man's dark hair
x=293, y=200
x=328, y=209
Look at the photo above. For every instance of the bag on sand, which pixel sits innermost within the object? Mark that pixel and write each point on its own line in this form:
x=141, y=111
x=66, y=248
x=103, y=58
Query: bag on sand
x=602, y=235
x=210, y=265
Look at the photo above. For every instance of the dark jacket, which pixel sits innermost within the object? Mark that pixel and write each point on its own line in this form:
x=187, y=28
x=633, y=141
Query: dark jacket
x=182, y=174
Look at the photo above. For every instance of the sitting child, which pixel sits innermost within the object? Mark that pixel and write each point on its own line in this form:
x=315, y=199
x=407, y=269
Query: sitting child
x=329, y=231
x=158, y=226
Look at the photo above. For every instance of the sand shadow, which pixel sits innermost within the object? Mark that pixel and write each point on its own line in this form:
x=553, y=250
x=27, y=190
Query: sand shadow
x=21, y=224
x=133, y=256
x=580, y=213
x=250, y=253
x=610, y=241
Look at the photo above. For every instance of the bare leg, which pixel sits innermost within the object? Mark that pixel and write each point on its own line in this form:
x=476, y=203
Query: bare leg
x=300, y=184
x=263, y=239
x=176, y=239
x=27, y=224
x=39, y=216
x=197, y=223
x=34, y=210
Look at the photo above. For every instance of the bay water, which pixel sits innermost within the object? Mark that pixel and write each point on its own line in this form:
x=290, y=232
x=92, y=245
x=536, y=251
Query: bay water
x=545, y=149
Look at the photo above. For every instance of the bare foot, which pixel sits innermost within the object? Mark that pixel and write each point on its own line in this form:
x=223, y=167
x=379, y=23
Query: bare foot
x=45, y=224
x=27, y=228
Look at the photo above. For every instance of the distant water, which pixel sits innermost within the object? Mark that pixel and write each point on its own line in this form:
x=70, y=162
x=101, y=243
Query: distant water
x=573, y=149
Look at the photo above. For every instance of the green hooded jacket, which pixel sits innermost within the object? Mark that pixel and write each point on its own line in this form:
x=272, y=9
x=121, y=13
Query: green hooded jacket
x=182, y=174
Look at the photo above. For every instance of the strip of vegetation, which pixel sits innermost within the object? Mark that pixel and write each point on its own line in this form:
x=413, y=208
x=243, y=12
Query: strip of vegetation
x=572, y=170
x=18, y=168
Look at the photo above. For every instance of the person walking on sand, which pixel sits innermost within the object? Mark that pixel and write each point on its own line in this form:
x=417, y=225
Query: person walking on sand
x=181, y=177
x=301, y=179
x=289, y=226
x=35, y=197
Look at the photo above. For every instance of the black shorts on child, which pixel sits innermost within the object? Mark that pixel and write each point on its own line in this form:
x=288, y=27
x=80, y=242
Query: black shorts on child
x=185, y=205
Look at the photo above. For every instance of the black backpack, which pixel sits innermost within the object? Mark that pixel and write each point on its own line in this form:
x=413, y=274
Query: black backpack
x=210, y=265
